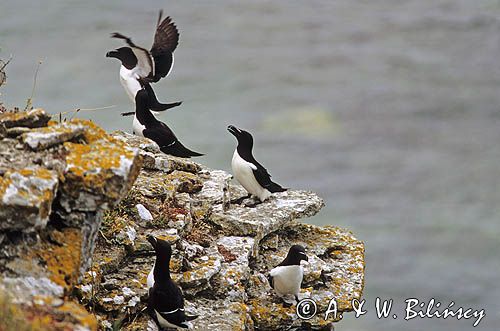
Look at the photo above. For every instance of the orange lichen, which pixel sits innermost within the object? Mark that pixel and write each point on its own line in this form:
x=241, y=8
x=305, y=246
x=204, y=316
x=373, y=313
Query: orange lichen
x=79, y=313
x=94, y=164
x=273, y=312
x=63, y=257
x=4, y=184
x=42, y=316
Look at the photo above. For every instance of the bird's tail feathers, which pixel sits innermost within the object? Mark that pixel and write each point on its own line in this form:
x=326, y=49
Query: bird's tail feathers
x=178, y=149
x=274, y=187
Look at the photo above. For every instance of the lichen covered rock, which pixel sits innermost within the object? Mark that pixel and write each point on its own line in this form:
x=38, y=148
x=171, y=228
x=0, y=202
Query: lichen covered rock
x=56, y=179
x=335, y=271
x=34, y=118
x=46, y=137
x=222, y=250
x=89, y=202
x=26, y=198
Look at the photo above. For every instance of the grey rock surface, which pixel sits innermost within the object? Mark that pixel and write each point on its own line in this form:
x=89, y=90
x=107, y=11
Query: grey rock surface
x=222, y=250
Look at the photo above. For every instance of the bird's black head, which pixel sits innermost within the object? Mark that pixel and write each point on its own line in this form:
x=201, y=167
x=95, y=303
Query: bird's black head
x=125, y=55
x=296, y=254
x=163, y=252
x=162, y=247
x=245, y=139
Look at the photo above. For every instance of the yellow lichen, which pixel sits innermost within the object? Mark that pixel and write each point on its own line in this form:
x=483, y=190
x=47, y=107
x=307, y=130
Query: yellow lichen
x=79, y=313
x=92, y=165
x=42, y=316
x=63, y=257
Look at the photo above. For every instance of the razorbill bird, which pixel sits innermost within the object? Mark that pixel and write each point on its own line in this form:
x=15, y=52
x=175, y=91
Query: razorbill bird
x=286, y=278
x=166, y=303
x=250, y=173
x=147, y=125
x=132, y=83
x=149, y=66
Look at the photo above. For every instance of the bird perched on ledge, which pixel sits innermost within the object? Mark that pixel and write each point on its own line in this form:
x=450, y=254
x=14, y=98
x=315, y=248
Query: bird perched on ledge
x=141, y=67
x=165, y=303
x=147, y=125
x=286, y=278
x=250, y=173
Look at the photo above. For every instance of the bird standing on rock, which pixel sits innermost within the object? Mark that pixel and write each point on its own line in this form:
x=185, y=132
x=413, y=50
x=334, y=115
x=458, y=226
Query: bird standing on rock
x=250, y=173
x=166, y=303
x=147, y=125
x=286, y=277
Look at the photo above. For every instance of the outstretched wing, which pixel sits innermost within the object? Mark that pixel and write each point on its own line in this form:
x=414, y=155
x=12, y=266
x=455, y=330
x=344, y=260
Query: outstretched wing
x=165, y=42
x=145, y=65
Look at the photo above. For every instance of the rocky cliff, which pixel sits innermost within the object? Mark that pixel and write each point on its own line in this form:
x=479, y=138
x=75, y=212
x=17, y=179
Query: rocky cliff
x=76, y=205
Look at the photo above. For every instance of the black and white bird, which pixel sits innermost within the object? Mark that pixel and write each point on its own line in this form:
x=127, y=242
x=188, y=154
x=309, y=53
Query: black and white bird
x=147, y=125
x=166, y=302
x=141, y=67
x=250, y=173
x=286, y=278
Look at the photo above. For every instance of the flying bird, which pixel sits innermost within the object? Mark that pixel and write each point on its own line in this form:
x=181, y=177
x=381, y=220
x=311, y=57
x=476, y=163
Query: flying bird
x=166, y=302
x=141, y=67
x=147, y=125
x=286, y=277
x=251, y=174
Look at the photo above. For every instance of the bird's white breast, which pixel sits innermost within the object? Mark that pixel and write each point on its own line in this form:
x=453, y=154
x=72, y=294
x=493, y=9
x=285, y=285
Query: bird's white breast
x=243, y=172
x=129, y=81
x=138, y=127
x=287, y=279
x=151, y=278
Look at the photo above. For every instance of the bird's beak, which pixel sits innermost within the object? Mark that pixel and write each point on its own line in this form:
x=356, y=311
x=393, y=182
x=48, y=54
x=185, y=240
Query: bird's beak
x=112, y=53
x=234, y=130
x=304, y=256
x=152, y=241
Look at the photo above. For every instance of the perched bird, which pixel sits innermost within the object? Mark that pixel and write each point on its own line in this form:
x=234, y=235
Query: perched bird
x=147, y=125
x=250, y=173
x=141, y=67
x=286, y=278
x=166, y=303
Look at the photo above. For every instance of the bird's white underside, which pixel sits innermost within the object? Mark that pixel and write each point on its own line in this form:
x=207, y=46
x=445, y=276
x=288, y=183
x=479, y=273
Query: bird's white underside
x=164, y=323
x=287, y=279
x=138, y=127
x=151, y=278
x=129, y=81
x=243, y=172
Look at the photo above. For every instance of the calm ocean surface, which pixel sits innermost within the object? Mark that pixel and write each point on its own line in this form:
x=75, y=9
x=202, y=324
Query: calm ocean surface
x=390, y=110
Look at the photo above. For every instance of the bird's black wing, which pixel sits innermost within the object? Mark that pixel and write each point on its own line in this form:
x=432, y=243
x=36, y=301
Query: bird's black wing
x=168, y=142
x=169, y=303
x=264, y=178
x=161, y=134
x=270, y=279
x=144, y=61
x=154, y=104
x=165, y=42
